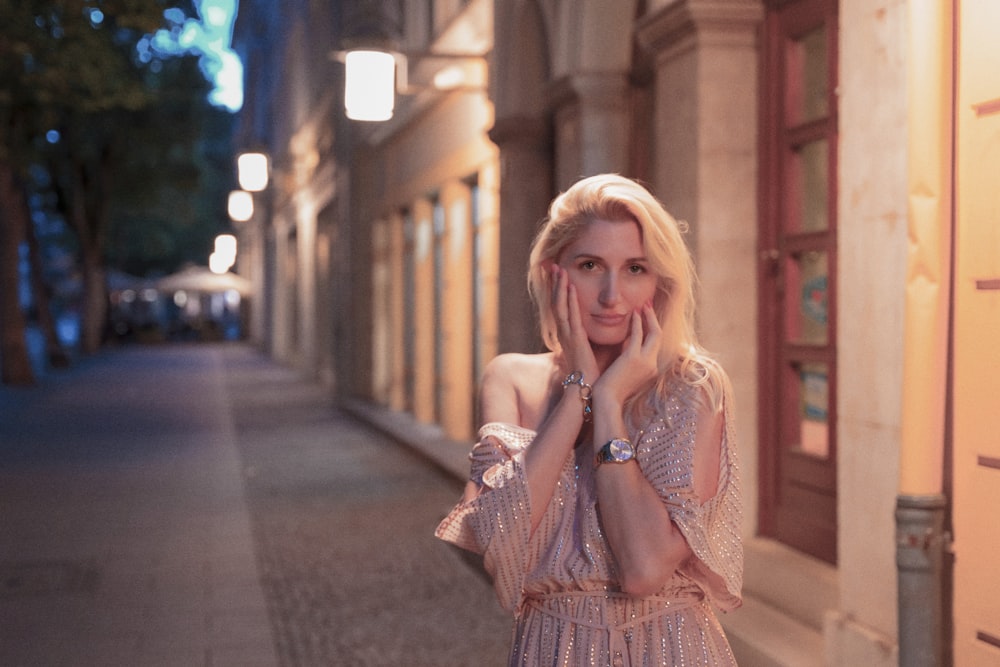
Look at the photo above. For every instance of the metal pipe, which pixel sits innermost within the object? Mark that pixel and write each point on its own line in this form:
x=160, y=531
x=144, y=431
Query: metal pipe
x=920, y=548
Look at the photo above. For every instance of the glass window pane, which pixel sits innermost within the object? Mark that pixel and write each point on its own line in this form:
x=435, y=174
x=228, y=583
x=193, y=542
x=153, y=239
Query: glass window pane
x=812, y=164
x=807, y=77
x=814, y=409
x=806, y=280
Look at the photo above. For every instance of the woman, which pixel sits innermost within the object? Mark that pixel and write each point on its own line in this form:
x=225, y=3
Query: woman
x=604, y=494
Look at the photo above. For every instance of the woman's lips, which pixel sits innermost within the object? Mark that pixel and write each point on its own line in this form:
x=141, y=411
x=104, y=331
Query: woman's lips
x=609, y=319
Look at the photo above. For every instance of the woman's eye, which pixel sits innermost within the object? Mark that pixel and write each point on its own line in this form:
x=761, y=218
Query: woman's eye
x=588, y=266
x=637, y=269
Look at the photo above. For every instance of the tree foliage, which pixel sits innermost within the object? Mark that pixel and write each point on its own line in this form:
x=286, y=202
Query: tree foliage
x=118, y=127
x=169, y=199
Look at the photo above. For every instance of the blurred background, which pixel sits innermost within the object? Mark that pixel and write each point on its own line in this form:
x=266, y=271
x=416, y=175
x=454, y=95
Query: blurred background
x=202, y=171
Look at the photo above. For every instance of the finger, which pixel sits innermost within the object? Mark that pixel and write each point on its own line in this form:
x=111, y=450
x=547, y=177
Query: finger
x=650, y=320
x=634, y=340
x=554, y=283
x=573, y=309
x=559, y=297
x=652, y=327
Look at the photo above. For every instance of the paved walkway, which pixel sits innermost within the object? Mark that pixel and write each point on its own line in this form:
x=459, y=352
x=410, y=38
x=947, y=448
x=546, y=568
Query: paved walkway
x=200, y=505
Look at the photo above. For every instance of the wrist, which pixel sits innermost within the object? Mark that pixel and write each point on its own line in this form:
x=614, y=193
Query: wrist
x=615, y=450
x=609, y=419
x=606, y=404
x=575, y=380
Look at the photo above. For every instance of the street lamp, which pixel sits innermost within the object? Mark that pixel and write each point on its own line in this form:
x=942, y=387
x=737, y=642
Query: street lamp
x=224, y=256
x=240, y=205
x=373, y=77
x=369, y=84
x=252, y=171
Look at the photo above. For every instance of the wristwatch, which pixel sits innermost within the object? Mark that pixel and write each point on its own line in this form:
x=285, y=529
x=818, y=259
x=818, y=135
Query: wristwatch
x=616, y=450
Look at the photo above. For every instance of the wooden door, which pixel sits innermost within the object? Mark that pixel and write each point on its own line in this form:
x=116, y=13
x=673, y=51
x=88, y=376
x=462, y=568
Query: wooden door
x=798, y=277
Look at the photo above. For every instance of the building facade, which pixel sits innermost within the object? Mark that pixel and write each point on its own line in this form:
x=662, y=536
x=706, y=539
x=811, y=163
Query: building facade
x=834, y=160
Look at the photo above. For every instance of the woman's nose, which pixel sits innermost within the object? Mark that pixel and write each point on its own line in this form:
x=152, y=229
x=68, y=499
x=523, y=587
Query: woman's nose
x=609, y=294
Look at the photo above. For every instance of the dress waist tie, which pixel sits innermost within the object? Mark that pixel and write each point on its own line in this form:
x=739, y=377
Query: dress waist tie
x=619, y=634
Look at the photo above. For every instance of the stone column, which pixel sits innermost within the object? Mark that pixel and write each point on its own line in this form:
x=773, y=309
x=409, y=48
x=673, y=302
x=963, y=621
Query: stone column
x=705, y=55
x=456, y=332
x=424, y=345
x=592, y=125
x=525, y=192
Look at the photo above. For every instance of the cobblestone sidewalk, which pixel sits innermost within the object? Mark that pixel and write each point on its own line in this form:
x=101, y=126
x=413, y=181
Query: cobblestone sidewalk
x=343, y=520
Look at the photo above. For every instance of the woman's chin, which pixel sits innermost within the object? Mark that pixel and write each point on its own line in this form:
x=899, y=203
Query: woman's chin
x=607, y=340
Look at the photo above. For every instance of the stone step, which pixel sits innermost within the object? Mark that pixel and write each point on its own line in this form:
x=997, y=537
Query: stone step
x=762, y=636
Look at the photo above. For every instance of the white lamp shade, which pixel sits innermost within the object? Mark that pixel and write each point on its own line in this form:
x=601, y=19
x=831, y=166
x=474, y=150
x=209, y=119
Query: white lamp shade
x=225, y=245
x=370, y=85
x=217, y=263
x=240, y=205
x=251, y=171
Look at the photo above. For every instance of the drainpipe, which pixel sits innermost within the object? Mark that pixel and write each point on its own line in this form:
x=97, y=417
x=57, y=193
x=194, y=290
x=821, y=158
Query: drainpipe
x=920, y=548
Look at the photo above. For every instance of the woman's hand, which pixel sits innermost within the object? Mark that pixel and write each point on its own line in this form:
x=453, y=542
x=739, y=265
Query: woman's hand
x=636, y=366
x=577, y=353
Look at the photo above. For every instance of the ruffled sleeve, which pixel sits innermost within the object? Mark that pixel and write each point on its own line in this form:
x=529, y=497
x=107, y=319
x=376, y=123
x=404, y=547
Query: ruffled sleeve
x=712, y=529
x=497, y=522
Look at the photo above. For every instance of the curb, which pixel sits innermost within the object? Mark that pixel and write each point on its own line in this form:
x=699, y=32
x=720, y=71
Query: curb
x=427, y=440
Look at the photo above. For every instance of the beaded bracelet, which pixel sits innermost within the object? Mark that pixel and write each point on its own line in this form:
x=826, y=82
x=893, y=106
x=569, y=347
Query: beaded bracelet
x=576, y=377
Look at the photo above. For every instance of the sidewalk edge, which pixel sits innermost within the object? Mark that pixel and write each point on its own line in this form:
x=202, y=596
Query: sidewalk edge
x=427, y=440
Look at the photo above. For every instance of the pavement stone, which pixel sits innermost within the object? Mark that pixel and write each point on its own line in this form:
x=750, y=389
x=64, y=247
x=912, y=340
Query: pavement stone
x=343, y=519
x=202, y=505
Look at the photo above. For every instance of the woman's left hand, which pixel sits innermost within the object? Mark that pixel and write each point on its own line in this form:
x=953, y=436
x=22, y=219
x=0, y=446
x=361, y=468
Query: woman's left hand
x=636, y=366
x=577, y=353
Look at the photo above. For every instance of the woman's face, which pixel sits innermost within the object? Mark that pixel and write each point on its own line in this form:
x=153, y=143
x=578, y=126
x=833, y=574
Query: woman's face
x=608, y=266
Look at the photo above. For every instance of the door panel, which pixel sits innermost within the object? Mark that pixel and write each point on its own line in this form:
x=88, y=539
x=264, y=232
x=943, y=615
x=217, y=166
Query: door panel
x=976, y=379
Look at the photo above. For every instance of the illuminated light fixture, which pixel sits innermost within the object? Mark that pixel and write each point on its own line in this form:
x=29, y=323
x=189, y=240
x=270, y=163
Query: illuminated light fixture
x=225, y=245
x=224, y=256
x=452, y=76
x=252, y=171
x=217, y=263
x=240, y=205
x=374, y=76
x=370, y=85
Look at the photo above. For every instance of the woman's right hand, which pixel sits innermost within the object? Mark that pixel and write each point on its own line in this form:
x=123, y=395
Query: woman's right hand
x=637, y=365
x=577, y=354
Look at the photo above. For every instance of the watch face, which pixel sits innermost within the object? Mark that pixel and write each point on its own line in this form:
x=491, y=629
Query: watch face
x=620, y=450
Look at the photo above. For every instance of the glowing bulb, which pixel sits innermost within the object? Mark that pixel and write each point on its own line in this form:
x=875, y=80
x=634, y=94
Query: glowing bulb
x=370, y=85
x=240, y=205
x=251, y=170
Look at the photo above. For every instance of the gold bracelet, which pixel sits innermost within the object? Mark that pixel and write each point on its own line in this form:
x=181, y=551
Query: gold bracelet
x=586, y=391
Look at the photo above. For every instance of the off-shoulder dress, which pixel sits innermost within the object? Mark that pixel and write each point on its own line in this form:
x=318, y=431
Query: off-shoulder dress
x=561, y=584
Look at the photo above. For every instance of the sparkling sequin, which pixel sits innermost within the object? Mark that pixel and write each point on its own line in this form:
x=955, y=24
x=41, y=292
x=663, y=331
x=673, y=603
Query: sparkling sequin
x=561, y=583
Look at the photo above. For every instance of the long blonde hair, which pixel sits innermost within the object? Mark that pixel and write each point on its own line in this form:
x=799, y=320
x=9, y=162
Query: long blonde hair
x=616, y=198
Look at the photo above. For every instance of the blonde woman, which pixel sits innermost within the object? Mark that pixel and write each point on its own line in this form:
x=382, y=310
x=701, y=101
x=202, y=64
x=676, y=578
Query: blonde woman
x=604, y=494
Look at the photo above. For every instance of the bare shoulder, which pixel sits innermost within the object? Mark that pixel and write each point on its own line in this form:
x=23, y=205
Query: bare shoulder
x=515, y=364
x=515, y=388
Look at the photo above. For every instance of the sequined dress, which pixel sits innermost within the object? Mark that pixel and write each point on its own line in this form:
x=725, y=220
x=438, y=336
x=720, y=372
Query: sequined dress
x=561, y=583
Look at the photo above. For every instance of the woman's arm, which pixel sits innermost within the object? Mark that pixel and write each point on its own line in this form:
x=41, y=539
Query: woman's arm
x=500, y=401
x=647, y=546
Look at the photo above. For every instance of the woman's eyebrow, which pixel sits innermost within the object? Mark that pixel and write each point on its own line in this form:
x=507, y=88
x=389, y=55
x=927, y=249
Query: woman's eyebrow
x=589, y=255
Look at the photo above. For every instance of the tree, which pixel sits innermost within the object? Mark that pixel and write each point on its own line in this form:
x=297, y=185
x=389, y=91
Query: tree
x=69, y=66
x=169, y=199
x=16, y=367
